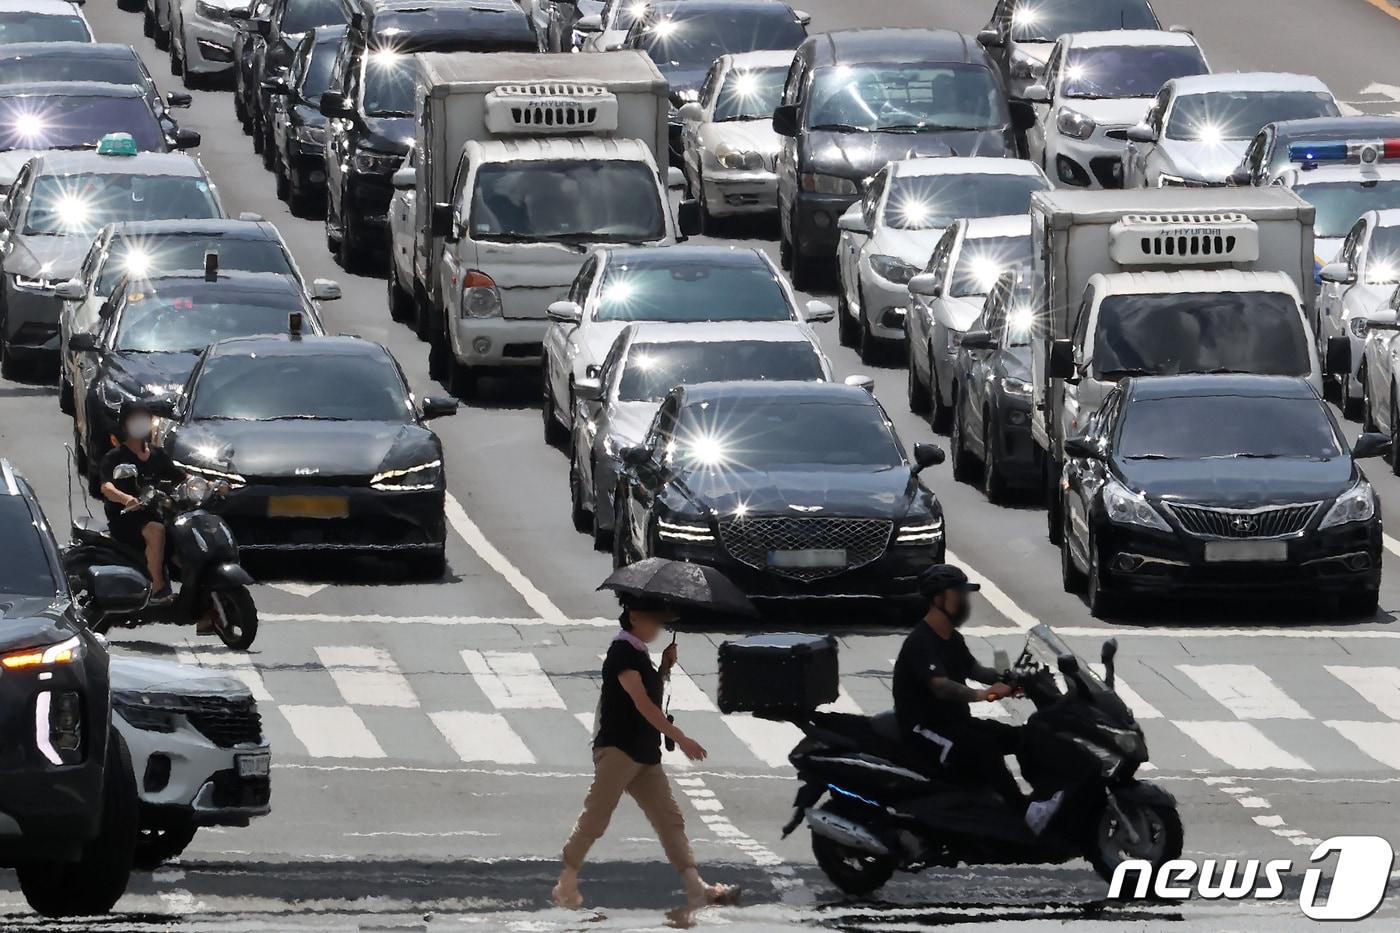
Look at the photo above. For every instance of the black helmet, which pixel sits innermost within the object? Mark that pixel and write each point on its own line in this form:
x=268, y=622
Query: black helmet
x=942, y=577
x=132, y=406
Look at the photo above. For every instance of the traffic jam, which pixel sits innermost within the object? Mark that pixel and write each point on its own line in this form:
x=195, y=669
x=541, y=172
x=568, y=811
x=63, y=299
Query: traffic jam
x=928, y=459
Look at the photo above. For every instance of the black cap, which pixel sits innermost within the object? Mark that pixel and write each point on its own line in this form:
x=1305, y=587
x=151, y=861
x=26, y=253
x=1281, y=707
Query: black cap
x=942, y=577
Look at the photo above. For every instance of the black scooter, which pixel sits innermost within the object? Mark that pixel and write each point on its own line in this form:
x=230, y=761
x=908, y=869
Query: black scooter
x=201, y=554
x=886, y=810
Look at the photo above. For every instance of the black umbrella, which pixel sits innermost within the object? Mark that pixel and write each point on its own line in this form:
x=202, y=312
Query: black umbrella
x=680, y=584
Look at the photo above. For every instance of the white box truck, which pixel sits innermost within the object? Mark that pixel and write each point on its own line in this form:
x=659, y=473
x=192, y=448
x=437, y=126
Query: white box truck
x=1158, y=282
x=523, y=164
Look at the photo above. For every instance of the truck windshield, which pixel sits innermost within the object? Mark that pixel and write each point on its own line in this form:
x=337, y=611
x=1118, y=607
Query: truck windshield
x=931, y=202
x=1047, y=20
x=652, y=370
x=1127, y=71
x=388, y=84
x=568, y=200
x=1227, y=427
x=1383, y=258
x=907, y=98
x=1340, y=204
x=1220, y=115
x=24, y=564
x=696, y=40
x=1166, y=334
x=750, y=94
x=983, y=260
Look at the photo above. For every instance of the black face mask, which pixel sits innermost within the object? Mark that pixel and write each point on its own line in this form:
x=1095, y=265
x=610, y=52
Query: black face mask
x=960, y=615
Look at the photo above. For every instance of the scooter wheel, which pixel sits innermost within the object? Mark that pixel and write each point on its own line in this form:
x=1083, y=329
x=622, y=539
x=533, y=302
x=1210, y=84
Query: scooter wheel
x=855, y=872
x=1159, y=837
x=235, y=617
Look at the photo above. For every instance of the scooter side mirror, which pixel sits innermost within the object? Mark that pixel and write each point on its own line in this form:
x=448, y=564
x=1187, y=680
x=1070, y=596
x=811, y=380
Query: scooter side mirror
x=1106, y=655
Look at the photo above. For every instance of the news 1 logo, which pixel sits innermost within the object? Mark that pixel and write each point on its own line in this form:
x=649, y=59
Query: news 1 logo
x=1359, y=879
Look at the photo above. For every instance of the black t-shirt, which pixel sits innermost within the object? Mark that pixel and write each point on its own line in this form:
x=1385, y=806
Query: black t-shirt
x=156, y=466
x=925, y=655
x=620, y=725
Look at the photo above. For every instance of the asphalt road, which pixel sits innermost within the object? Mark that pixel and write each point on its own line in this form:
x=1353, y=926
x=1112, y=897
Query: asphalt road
x=430, y=741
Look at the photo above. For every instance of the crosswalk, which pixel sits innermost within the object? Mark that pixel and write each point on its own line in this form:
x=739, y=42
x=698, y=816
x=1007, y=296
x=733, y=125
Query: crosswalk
x=482, y=706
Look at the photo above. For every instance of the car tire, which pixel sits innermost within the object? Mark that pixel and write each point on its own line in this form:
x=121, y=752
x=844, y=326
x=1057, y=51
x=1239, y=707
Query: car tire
x=280, y=180
x=1054, y=508
x=784, y=249
x=964, y=470
x=161, y=37
x=1350, y=404
x=351, y=250
x=148, y=24
x=461, y=379
x=93, y=884
x=1071, y=577
x=867, y=344
x=940, y=419
x=846, y=331
x=156, y=845
x=1394, y=434
x=1097, y=593
x=239, y=110
x=400, y=302
x=65, y=395
x=554, y=433
x=1368, y=414
x=803, y=269
x=602, y=537
x=177, y=61
x=579, y=514
x=710, y=225
x=993, y=483
x=269, y=147
x=917, y=392
x=129, y=6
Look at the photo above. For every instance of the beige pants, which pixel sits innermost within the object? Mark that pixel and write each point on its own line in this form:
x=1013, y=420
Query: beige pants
x=615, y=773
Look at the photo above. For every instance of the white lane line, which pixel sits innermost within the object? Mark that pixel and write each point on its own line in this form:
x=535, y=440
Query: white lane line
x=482, y=737
x=304, y=590
x=995, y=596
x=372, y=618
x=1391, y=544
x=844, y=703
x=1244, y=690
x=534, y=598
x=332, y=732
x=1379, y=686
x=1140, y=707
x=239, y=665
x=769, y=741
x=1378, y=740
x=366, y=676
x=1241, y=745
x=512, y=679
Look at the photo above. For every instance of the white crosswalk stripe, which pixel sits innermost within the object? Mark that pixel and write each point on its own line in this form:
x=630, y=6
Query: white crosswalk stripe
x=482, y=737
x=1244, y=690
x=332, y=732
x=512, y=679
x=769, y=741
x=1380, y=740
x=366, y=676
x=1380, y=686
x=1241, y=745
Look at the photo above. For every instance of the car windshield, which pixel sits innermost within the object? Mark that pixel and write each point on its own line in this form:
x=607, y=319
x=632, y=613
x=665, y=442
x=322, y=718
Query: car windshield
x=318, y=71
x=72, y=67
x=1226, y=427
x=1127, y=71
x=931, y=202
x=750, y=94
x=906, y=98
x=165, y=319
x=982, y=261
x=75, y=121
x=695, y=41
x=81, y=204
x=388, y=84
x=330, y=387
x=1340, y=204
x=623, y=13
x=1236, y=115
x=1019, y=320
x=305, y=15
x=1166, y=334
x=24, y=26
x=153, y=255
x=24, y=564
x=1383, y=257
x=783, y=434
x=570, y=200
x=662, y=288
x=1047, y=20
x=652, y=370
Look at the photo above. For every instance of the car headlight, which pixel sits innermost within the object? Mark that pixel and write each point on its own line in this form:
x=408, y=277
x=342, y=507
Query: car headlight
x=377, y=163
x=1358, y=326
x=422, y=477
x=64, y=652
x=113, y=394
x=689, y=532
x=39, y=283
x=920, y=531
x=1018, y=387
x=1074, y=124
x=730, y=157
x=893, y=269
x=817, y=183
x=143, y=712
x=1126, y=507
x=233, y=479
x=311, y=135
x=211, y=12
x=1357, y=504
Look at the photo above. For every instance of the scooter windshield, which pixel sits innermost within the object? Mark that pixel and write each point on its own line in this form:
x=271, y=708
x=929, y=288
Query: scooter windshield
x=1045, y=644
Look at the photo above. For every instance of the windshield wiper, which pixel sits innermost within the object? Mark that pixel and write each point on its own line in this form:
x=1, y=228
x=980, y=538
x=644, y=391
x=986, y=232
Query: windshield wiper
x=303, y=418
x=73, y=147
x=1113, y=375
x=1243, y=455
x=840, y=128
x=926, y=128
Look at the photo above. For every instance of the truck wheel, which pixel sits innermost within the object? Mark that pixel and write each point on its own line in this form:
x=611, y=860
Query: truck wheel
x=461, y=379
x=235, y=617
x=94, y=883
x=156, y=845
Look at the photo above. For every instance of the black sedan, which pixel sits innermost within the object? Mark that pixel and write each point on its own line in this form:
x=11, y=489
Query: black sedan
x=992, y=395
x=747, y=477
x=152, y=333
x=323, y=444
x=296, y=143
x=1219, y=484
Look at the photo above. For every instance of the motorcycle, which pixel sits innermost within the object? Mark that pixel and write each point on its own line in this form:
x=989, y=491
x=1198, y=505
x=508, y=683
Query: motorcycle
x=201, y=554
x=885, y=811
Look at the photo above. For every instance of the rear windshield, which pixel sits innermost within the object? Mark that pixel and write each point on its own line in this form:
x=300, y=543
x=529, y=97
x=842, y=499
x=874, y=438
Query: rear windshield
x=1227, y=427
x=1220, y=115
x=661, y=289
x=652, y=370
x=24, y=563
x=18, y=26
x=567, y=201
x=1127, y=71
x=1341, y=204
x=1047, y=20
x=931, y=202
x=156, y=255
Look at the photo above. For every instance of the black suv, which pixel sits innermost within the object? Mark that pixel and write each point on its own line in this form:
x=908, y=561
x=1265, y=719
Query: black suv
x=68, y=814
x=369, y=103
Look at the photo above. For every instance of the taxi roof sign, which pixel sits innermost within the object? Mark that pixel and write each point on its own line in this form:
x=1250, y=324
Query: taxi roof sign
x=117, y=144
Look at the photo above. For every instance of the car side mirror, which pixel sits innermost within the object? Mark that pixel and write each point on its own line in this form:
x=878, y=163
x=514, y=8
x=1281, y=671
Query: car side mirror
x=688, y=217
x=853, y=221
x=593, y=23
x=692, y=113
x=1061, y=362
x=785, y=120
x=1081, y=448
x=82, y=342
x=927, y=455
x=564, y=312
x=590, y=389
x=178, y=99
x=1106, y=656
x=187, y=139
x=1338, y=273
x=818, y=312
x=1338, y=359
x=860, y=381
x=1142, y=133
x=636, y=456
x=1036, y=94
x=979, y=340
x=437, y=406
x=71, y=290
x=325, y=289
x=927, y=284
x=333, y=104
x=1370, y=444
x=990, y=39
x=405, y=178
x=116, y=590
x=803, y=17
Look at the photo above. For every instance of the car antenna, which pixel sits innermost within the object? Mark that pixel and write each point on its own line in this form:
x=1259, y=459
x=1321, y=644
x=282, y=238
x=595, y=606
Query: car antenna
x=211, y=266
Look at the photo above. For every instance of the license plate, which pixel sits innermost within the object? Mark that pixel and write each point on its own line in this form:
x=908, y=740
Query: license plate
x=308, y=507
x=258, y=764
x=1221, y=552
x=809, y=557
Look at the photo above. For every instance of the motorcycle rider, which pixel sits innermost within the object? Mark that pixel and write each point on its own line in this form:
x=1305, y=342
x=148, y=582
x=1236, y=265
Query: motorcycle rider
x=127, y=520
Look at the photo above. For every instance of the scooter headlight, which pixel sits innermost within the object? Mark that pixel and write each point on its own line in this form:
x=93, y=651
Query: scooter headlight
x=196, y=490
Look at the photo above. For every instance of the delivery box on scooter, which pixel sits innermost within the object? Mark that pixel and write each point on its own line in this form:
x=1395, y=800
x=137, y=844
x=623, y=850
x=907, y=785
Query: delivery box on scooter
x=772, y=673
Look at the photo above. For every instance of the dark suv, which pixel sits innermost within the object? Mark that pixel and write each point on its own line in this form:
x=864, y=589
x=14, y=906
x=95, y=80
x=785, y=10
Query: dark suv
x=369, y=102
x=68, y=813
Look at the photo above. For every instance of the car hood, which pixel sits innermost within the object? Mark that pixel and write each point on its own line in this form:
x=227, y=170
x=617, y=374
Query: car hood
x=151, y=374
x=151, y=675
x=1239, y=483
x=959, y=313
x=388, y=134
x=1372, y=300
x=327, y=448
x=1015, y=363
x=862, y=494
x=56, y=258
x=913, y=246
x=629, y=421
x=11, y=162
x=749, y=135
x=1120, y=111
x=595, y=341
x=858, y=155
x=1202, y=161
x=31, y=621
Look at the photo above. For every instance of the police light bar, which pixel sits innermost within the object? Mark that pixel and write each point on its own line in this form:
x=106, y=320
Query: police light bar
x=1365, y=151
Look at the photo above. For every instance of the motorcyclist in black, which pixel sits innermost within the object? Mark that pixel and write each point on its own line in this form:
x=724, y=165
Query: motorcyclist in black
x=127, y=520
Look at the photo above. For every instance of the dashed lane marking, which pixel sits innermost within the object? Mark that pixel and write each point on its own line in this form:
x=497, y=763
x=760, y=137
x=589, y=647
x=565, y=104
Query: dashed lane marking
x=1379, y=686
x=1245, y=690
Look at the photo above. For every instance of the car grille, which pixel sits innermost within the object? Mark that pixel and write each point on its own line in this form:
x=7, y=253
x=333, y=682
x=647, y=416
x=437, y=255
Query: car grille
x=749, y=541
x=226, y=722
x=1273, y=522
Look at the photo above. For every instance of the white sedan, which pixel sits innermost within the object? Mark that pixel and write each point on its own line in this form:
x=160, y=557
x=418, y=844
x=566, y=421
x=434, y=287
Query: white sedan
x=887, y=236
x=1381, y=367
x=1356, y=289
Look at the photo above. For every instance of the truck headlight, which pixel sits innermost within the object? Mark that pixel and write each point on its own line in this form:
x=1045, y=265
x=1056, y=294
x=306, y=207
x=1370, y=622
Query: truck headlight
x=1357, y=504
x=480, y=296
x=893, y=269
x=1126, y=507
x=817, y=183
x=1074, y=124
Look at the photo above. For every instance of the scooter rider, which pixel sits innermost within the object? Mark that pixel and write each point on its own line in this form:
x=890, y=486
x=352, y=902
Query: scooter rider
x=127, y=520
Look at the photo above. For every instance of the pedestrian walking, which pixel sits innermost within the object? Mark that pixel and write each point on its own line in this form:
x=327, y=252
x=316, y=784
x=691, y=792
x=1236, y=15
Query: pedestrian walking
x=627, y=738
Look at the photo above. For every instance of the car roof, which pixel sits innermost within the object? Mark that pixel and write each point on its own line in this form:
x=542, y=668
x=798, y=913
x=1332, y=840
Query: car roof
x=1147, y=38
x=1198, y=386
x=688, y=252
x=69, y=88
x=662, y=9
x=1246, y=81
x=110, y=50
x=59, y=162
x=888, y=44
x=43, y=7
x=1324, y=173
x=824, y=393
x=422, y=25
x=978, y=228
x=1386, y=218
x=719, y=331
x=270, y=282
x=1329, y=127
x=921, y=166
x=286, y=345
x=231, y=228
x=765, y=58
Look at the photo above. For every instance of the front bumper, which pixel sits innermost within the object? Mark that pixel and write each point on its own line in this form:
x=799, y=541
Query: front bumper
x=372, y=520
x=208, y=45
x=729, y=192
x=1016, y=454
x=1096, y=162
x=496, y=342
x=886, y=303
x=31, y=319
x=184, y=773
x=367, y=195
x=814, y=232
